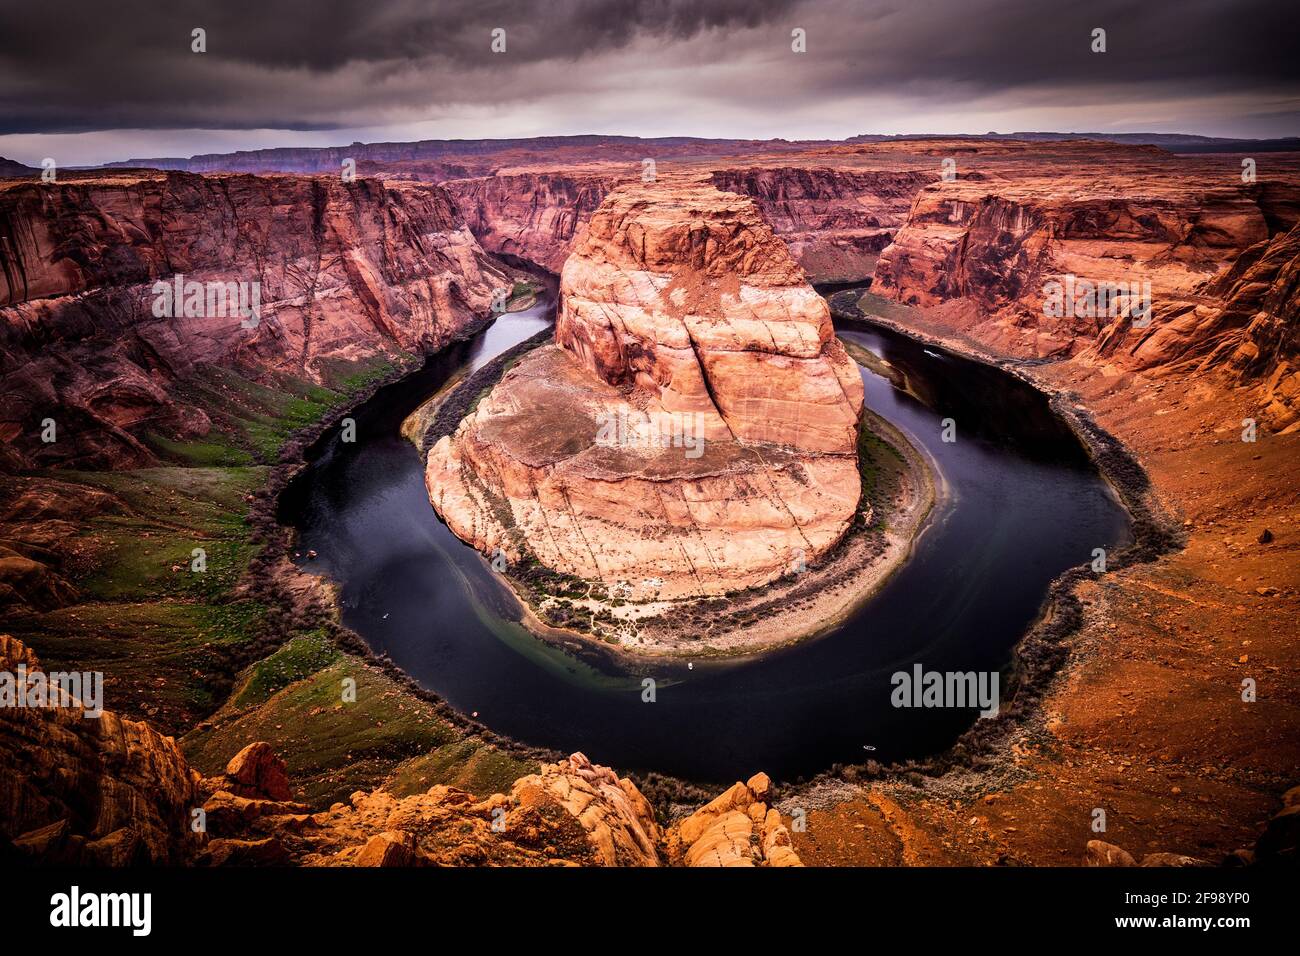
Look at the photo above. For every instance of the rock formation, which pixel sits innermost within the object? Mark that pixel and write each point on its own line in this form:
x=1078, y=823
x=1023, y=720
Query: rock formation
x=76, y=789
x=835, y=221
x=1215, y=264
x=618, y=821
x=692, y=430
x=534, y=215
x=343, y=271
x=1253, y=335
x=736, y=828
x=569, y=813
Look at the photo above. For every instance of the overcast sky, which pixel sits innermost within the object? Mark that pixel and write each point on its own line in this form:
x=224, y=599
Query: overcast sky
x=95, y=81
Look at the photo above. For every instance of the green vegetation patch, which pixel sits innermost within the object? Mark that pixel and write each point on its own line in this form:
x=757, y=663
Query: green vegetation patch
x=468, y=764
x=159, y=658
x=332, y=747
x=168, y=637
x=253, y=419
x=299, y=658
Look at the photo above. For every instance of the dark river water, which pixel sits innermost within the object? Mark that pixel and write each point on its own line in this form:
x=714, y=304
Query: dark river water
x=1022, y=504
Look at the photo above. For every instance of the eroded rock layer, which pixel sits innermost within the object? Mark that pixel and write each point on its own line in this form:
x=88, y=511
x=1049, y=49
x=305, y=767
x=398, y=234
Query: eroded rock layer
x=835, y=221
x=535, y=215
x=1253, y=335
x=693, y=429
x=342, y=271
x=1182, y=275
x=81, y=789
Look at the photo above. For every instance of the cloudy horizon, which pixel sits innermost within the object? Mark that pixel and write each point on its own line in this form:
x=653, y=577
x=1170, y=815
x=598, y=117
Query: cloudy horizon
x=110, y=85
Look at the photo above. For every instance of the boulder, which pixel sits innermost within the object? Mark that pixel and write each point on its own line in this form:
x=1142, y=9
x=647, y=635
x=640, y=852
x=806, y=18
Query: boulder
x=257, y=772
x=390, y=848
x=1100, y=853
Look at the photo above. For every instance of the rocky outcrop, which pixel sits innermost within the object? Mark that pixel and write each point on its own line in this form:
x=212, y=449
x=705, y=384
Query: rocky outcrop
x=618, y=821
x=1196, y=276
x=569, y=813
x=80, y=789
x=257, y=772
x=692, y=430
x=534, y=215
x=1252, y=335
x=341, y=271
x=737, y=828
x=835, y=220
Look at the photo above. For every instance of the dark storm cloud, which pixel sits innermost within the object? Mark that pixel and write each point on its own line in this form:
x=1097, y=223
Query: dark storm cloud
x=330, y=64
x=306, y=63
x=1218, y=45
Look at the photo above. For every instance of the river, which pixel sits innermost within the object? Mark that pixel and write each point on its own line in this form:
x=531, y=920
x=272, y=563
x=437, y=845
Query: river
x=1023, y=504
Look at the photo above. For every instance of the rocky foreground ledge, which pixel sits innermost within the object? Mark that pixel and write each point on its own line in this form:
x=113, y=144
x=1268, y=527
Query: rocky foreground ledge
x=109, y=791
x=692, y=432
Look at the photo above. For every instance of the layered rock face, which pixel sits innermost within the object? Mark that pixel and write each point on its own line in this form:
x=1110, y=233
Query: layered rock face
x=1253, y=335
x=835, y=221
x=692, y=430
x=1204, y=278
x=532, y=215
x=77, y=789
x=340, y=271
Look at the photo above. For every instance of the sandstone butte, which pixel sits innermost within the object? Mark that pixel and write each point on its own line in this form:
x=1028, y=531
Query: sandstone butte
x=680, y=309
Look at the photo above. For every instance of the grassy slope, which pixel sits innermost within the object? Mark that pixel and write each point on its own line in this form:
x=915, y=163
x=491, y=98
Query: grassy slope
x=166, y=636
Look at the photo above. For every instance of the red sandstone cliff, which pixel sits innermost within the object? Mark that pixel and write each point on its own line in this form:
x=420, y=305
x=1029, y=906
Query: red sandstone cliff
x=1217, y=260
x=343, y=271
x=835, y=221
x=1253, y=335
x=534, y=215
